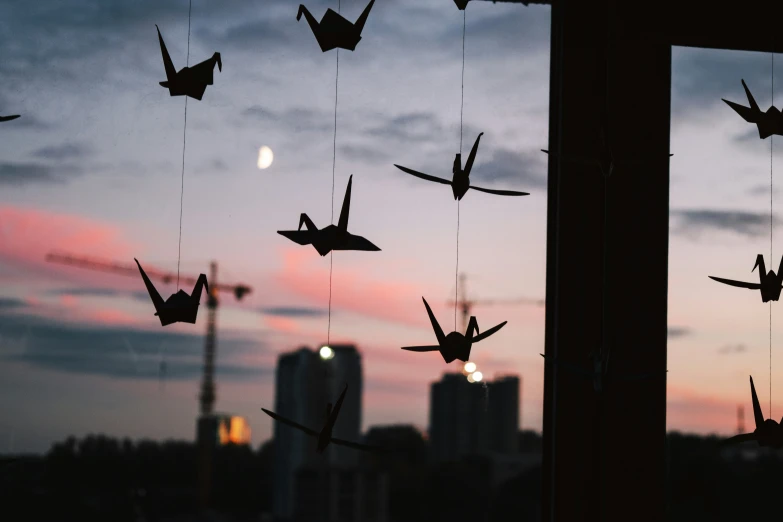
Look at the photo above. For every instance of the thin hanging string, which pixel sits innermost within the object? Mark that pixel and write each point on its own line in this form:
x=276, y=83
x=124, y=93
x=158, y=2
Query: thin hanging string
x=334, y=144
x=772, y=95
x=184, y=133
x=329, y=325
x=461, y=112
x=334, y=164
x=462, y=102
x=456, y=276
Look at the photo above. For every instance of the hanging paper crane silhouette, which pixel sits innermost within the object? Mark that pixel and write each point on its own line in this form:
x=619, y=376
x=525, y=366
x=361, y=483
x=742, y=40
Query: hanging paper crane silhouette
x=8, y=118
x=325, y=435
x=180, y=307
x=455, y=345
x=599, y=372
x=605, y=161
x=460, y=182
x=332, y=237
x=769, y=282
x=334, y=30
x=189, y=81
x=768, y=433
x=768, y=123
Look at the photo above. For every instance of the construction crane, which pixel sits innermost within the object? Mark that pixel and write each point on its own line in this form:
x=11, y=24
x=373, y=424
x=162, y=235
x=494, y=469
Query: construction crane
x=207, y=395
x=466, y=305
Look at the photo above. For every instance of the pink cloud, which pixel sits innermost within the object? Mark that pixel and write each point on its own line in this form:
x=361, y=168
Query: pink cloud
x=110, y=317
x=28, y=234
x=68, y=309
x=282, y=324
x=353, y=290
x=69, y=301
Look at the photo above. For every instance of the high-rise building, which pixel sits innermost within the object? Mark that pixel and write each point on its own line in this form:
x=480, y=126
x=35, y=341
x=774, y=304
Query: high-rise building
x=306, y=382
x=504, y=414
x=299, y=379
x=345, y=367
x=473, y=417
x=458, y=413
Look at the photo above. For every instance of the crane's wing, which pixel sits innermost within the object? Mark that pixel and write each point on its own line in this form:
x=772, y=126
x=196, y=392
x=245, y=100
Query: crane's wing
x=740, y=284
x=359, y=25
x=758, y=416
x=423, y=176
x=487, y=333
x=747, y=113
x=500, y=192
x=157, y=300
x=745, y=437
x=354, y=445
x=9, y=118
x=352, y=242
x=342, y=224
x=336, y=410
x=290, y=423
x=431, y=348
x=302, y=237
x=572, y=367
x=435, y=326
x=472, y=155
x=171, y=72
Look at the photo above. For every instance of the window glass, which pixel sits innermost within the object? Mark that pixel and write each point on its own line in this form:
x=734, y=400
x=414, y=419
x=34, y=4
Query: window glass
x=719, y=335
x=102, y=405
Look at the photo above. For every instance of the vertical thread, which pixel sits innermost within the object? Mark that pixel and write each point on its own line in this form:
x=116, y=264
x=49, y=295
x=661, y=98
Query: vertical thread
x=456, y=275
x=334, y=144
x=771, y=217
x=461, y=112
x=329, y=326
x=771, y=138
x=462, y=102
x=184, y=134
x=334, y=165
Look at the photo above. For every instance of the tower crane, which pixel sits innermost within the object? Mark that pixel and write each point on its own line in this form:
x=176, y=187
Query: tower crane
x=466, y=305
x=207, y=395
x=206, y=422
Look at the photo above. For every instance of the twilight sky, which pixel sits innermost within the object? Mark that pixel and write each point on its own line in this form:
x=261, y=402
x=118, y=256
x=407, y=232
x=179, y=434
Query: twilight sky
x=93, y=168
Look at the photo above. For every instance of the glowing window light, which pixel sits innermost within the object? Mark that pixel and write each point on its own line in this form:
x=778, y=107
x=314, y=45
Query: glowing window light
x=326, y=353
x=477, y=376
x=470, y=367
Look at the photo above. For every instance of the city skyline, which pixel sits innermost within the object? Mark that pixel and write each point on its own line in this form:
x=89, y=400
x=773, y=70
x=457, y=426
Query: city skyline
x=92, y=168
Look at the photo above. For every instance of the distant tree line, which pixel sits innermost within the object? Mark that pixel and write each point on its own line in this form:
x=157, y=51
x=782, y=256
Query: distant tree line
x=103, y=479
x=100, y=478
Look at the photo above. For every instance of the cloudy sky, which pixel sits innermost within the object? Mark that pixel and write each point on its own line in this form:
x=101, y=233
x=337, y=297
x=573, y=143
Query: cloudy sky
x=93, y=168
